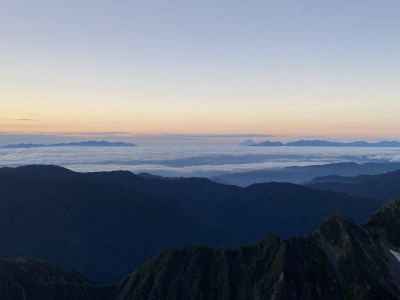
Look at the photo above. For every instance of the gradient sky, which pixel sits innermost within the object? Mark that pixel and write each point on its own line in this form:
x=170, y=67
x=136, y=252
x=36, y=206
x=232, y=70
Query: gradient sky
x=322, y=68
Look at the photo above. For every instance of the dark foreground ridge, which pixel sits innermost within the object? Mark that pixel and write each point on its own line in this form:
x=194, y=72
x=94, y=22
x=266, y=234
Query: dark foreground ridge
x=339, y=261
x=105, y=224
x=27, y=279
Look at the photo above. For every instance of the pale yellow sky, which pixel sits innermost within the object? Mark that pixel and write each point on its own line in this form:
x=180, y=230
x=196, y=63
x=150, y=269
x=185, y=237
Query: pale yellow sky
x=33, y=110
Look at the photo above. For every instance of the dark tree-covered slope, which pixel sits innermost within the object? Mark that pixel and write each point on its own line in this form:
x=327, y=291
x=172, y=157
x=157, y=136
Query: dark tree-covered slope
x=27, y=279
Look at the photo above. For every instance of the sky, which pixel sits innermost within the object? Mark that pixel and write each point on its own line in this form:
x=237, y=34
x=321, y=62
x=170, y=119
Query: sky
x=288, y=68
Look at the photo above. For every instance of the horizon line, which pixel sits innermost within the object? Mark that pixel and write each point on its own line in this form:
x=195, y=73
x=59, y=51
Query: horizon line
x=194, y=135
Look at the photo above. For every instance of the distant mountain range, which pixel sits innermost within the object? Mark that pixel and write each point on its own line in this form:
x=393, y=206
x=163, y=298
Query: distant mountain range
x=72, y=144
x=304, y=174
x=323, y=143
x=104, y=224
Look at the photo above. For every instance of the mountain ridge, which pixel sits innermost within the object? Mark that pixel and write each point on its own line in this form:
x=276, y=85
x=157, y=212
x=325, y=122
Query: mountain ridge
x=324, y=143
x=61, y=216
x=70, y=144
x=382, y=186
x=305, y=174
x=338, y=261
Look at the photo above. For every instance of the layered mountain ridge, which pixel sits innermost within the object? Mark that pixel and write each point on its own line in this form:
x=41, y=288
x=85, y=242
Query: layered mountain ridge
x=305, y=174
x=64, y=215
x=340, y=260
x=381, y=186
x=105, y=224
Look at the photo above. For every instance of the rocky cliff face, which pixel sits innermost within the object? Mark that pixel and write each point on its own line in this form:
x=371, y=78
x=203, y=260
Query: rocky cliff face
x=339, y=261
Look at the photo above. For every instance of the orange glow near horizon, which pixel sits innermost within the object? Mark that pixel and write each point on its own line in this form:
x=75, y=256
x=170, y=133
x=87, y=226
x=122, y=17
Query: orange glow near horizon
x=159, y=111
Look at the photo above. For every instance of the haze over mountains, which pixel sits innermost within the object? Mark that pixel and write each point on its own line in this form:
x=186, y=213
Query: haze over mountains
x=323, y=143
x=305, y=174
x=184, y=156
x=70, y=144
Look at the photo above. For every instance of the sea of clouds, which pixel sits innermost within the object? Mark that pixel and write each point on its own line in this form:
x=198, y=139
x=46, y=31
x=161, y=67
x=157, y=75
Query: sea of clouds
x=180, y=155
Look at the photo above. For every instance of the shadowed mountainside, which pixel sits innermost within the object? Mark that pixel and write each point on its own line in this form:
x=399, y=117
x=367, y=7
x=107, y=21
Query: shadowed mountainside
x=105, y=224
x=339, y=261
x=27, y=279
x=383, y=186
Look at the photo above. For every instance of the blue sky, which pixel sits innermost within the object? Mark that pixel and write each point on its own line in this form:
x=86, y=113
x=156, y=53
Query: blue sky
x=282, y=67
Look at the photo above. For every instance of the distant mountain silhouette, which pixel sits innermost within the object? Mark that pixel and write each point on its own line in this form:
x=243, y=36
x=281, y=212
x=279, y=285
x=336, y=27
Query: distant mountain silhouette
x=301, y=175
x=104, y=224
x=324, y=143
x=383, y=186
x=72, y=144
x=265, y=143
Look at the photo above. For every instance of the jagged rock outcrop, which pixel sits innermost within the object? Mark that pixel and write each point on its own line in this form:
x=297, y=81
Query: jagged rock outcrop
x=339, y=261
